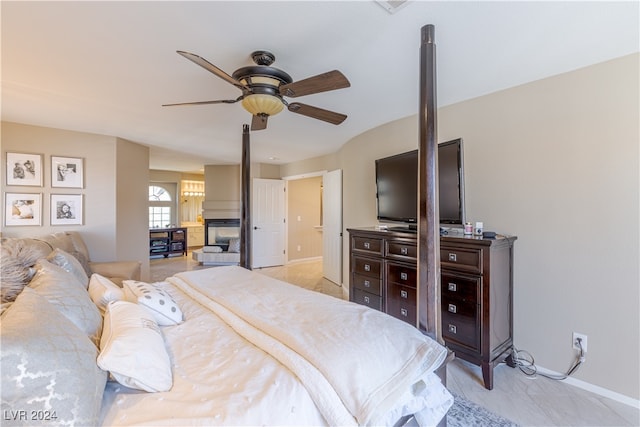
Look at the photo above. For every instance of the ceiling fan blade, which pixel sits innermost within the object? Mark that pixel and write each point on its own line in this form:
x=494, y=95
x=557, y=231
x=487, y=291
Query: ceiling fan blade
x=212, y=68
x=331, y=80
x=221, y=101
x=317, y=113
x=259, y=122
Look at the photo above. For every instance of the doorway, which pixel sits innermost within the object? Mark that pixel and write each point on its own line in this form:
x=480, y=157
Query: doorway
x=314, y=221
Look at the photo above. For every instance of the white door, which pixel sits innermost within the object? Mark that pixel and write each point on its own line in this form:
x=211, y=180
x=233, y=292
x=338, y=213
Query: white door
x=267, y=218
x=332, y=226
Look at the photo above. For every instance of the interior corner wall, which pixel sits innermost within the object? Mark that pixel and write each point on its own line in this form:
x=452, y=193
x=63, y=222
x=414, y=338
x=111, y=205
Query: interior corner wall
x=132, y=190
x=101, y=203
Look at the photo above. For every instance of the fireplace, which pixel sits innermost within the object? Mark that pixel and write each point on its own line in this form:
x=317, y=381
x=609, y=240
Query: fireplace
x=220, y=232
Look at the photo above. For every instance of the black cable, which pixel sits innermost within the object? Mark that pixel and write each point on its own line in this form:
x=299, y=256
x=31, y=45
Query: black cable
x=527, y=366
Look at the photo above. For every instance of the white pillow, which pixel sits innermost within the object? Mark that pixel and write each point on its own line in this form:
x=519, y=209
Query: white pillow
x=132, y=348
x=102, y=291
x=164, y=308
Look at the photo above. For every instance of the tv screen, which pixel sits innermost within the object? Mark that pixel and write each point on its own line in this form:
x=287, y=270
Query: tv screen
x=451, y=182
x=397, y=185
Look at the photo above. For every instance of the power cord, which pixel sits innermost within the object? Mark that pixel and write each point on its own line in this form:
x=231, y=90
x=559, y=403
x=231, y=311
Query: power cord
x=525, y=362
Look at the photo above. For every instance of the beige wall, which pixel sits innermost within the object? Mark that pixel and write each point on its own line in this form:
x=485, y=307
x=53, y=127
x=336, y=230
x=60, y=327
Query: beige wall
x=554, y=162
x=115, y=189
x=303, y=210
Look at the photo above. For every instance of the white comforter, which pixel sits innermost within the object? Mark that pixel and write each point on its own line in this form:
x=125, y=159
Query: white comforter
x=255, y=350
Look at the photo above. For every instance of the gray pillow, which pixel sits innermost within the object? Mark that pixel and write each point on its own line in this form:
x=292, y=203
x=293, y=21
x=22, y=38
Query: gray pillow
x=234, y=245
x=69, y=263
x=48, y=366
x=69, y=296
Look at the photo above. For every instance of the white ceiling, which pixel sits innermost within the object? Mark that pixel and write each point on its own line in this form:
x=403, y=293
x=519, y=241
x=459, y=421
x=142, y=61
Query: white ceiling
x=106, y=67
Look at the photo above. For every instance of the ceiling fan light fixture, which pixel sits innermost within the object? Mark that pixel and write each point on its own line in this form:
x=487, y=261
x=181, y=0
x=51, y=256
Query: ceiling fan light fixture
x=259, y=103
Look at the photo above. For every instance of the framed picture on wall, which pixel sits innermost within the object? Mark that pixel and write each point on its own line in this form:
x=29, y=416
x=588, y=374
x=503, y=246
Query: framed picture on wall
x=23, y=209
x=24, y=169
x=66, y=209
x=67, y=172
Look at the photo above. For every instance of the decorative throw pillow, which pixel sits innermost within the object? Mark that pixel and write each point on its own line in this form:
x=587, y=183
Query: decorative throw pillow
x=211, y=249
x=162, y=306
x=234, y=245
x=102, y=291
x=69, y=296
x=14, y=276
x=69, y=263
x=16, y=261
x=48, y=365
x=132, y=348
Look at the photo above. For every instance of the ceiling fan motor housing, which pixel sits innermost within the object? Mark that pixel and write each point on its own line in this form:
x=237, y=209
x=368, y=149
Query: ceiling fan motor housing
x=263, y=81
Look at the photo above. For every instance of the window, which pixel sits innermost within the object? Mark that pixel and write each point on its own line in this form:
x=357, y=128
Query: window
x=160, y=207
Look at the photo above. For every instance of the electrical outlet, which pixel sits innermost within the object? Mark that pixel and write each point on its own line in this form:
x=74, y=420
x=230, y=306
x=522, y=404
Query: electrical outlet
x=583, y=341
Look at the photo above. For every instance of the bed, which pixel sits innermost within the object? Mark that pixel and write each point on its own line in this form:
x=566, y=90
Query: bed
x=218, y=346
x=244, y=355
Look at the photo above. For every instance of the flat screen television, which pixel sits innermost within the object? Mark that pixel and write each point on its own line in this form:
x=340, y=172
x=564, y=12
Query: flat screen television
x=397, y=186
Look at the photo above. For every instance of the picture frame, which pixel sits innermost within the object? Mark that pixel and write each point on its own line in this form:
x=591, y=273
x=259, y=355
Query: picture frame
x=66, y=209
x=67, y=172
x=23, y=209
x=24, y=169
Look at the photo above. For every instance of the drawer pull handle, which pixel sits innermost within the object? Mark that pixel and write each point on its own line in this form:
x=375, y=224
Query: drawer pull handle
x=452, y=329
x=404, y=294
x=453, y=308
x=366, y=299
x=367, y=245
x=367, y=284
x=404, y=312
x=367, y=267
x=452, y=287
x=404, y=276
x=404, y=251
x=453, y=257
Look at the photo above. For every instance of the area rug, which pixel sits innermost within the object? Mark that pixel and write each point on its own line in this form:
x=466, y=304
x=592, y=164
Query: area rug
x=465, y=413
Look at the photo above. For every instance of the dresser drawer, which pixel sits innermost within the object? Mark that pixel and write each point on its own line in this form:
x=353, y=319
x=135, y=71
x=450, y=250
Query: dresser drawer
x=367, y=284
x=401, y=274
x=461, y=328
x=367, y=244
x=461, y=259
x=367, y=267
x=402, y=303
x=460, y=288
x=401, y=250
x=365, y=298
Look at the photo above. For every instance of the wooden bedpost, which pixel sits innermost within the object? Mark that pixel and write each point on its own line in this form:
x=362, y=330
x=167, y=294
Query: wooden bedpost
x=428, y=218
x=245, y=208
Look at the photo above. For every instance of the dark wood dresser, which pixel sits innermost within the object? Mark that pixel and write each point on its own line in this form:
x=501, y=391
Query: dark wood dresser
x=476, y=290
x=476, y=295
x=383, y=272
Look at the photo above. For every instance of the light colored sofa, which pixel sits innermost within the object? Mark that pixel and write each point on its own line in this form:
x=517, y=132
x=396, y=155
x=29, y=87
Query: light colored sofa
x=20, y=254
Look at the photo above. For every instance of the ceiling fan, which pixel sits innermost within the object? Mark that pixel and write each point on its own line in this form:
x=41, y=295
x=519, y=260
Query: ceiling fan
x=264, y=88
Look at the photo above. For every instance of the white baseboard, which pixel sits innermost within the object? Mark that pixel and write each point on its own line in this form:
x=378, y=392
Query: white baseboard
x=601, y=391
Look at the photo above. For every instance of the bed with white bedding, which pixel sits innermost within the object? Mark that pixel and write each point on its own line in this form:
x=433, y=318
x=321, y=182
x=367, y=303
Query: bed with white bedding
x=253, y=350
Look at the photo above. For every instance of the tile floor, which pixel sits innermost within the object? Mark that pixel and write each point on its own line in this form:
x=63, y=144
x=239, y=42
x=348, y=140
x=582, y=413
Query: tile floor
x=526, y=401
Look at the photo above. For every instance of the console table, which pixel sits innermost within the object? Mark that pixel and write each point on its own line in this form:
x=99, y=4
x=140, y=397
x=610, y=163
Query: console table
x=476, y=288
x=167, y=241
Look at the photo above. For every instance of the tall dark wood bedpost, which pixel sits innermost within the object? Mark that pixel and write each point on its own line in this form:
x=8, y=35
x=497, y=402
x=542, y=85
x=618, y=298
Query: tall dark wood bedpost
x=428, y=220
x=245, y=208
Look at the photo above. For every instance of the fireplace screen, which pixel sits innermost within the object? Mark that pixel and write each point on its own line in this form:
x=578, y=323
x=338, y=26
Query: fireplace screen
x=219, y=232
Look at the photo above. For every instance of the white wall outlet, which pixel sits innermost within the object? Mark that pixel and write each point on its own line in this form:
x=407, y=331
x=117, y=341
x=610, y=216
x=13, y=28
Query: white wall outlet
x=583, y=341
